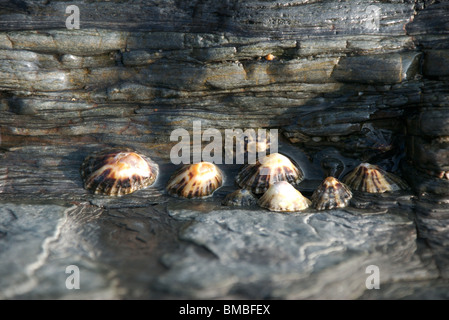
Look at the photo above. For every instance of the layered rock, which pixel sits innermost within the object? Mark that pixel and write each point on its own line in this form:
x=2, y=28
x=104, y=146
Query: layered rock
x=175, y=62
x=427, y=122
x=363, y=81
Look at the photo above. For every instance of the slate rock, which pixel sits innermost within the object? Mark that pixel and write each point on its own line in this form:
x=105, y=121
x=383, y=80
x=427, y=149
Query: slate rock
x=290, y=255
x=345, y=77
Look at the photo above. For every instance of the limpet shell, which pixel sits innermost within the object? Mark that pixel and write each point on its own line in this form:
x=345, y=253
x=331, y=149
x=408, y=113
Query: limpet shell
x=270, y=57
x=373, y=179
x=265, y=172
x=240, y=198
x=330, y=194
x=250, y=145
x=198, y=180
x=116, y=172
x=283, y=197
x=257, y=144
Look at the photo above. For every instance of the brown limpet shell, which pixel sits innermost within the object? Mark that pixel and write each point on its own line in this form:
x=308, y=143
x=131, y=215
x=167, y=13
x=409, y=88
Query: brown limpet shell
x=265, y=172
x=116, y=172
x=198, y=180
x=240, y=198
x=330, y=194
x=269, y=57
x=252, y=145
x=373, y=179
x=283, y=197
x=257, y=144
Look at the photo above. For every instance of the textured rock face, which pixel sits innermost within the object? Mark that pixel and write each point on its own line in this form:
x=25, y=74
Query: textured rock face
x=291, y=256
x=361, y=81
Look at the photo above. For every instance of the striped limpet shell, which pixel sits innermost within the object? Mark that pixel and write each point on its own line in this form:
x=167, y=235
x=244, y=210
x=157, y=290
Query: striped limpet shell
x=198, y=180
x=116, y=172
x=373, y=179
x=330, y=194
x=283, y=197
x=265, y=172
x=240, y=198
x=257, y=144
x=250, y=145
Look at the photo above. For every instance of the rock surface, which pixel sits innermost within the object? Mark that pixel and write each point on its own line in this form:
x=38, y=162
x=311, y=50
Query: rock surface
x=361, y=81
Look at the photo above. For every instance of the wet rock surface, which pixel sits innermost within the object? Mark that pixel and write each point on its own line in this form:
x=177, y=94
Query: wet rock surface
x=358, y=81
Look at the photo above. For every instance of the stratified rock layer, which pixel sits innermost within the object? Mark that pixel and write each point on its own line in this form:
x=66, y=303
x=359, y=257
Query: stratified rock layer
x=362, y=81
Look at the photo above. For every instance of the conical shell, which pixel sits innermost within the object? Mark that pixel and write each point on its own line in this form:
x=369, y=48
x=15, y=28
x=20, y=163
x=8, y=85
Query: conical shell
x=331, y=194
x=116, y=172
x=250, y=145
x=240, y=198
x=198, y=180
x=372, y=179
x=283, y=197
x=256, y=144
x=265, y=172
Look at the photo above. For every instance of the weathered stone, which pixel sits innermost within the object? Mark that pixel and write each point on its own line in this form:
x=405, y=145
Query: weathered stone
x=432, y=222
x=250, y=17
x=27, y=230
x=431, y=122
x=424, y=183
x=43, y=240
x=432, y=21
x=24, y=75
x=76, y=42
x=421, y=290
x=155, y=40
x=429, y=154
x=287, y=251
x=342, y=77
x=33, y=59
x=387, y=68
x=215, y=54
x=436, y=63
x=97, y=61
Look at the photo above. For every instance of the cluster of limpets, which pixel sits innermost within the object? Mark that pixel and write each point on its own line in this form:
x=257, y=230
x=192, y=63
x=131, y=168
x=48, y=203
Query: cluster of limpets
x=270, y=182
x=275, y=178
